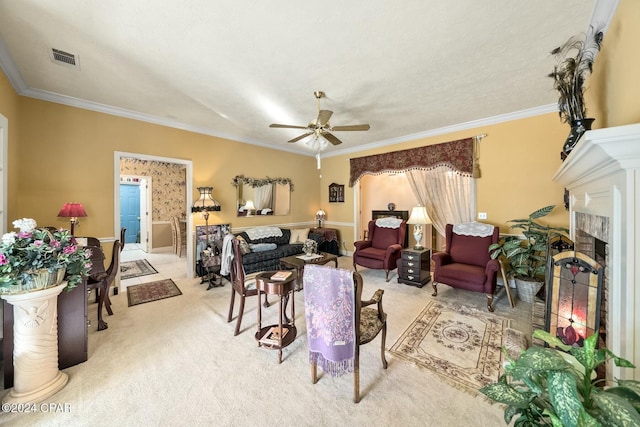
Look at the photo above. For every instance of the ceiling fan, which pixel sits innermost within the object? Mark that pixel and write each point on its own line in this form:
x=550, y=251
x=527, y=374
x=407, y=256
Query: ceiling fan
x=320, y=126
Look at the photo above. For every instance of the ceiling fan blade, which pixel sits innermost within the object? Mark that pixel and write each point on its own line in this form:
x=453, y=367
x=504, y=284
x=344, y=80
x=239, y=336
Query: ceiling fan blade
x=298, y=138
x=332, y=139
x=350, y=127
x=323, y=117
x=276, y=125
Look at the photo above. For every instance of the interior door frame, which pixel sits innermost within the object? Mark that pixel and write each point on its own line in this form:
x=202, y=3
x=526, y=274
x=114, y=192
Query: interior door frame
x=146, y=204
x=4, y=177
x=117, y=156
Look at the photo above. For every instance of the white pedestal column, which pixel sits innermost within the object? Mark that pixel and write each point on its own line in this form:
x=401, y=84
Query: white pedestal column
x=35, y=346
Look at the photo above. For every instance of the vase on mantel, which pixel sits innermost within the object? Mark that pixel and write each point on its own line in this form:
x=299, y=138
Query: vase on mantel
x=35, y=346
x=578, y=128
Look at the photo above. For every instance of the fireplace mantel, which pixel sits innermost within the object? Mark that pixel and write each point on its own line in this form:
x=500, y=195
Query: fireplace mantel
x=602, y=174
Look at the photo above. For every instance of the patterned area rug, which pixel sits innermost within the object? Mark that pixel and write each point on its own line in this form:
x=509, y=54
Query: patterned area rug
x=461, y=345
x=152, y=291
x=137, y=268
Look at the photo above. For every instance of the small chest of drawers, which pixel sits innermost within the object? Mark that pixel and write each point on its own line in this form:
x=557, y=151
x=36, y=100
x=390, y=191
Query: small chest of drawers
x=413, y=267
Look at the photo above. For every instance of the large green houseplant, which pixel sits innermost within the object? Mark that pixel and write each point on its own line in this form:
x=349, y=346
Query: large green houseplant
x=546, y=386
x=527, y=258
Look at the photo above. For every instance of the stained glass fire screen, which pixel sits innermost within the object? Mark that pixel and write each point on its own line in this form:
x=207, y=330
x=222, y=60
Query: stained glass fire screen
x=573, y=297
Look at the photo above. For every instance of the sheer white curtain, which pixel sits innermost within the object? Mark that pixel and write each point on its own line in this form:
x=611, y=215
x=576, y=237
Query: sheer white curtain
x=448, y=196
x=263, y=196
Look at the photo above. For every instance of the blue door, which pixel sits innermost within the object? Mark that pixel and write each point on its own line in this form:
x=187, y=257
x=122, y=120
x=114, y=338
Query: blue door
x=130, y=211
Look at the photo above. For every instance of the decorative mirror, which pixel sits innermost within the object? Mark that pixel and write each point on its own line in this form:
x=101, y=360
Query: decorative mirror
x=262, y=196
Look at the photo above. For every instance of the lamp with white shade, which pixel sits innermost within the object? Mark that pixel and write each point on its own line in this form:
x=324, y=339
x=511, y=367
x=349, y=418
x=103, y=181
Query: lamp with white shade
x=320, y=217
x=249, y=206
x=418, y=218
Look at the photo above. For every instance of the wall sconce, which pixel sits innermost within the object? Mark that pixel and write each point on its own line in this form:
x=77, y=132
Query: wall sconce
x=249, y=206
x=205, y=204
x=72, y=211
x=320, y=217
x=418, y=217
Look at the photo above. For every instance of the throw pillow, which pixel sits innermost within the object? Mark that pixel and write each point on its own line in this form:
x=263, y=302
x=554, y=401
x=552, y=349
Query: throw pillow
x=299, y=235
x=262, y=247
x=244, y=246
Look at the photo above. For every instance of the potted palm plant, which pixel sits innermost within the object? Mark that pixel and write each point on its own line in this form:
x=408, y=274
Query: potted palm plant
x=575, y=62
x=527, y=258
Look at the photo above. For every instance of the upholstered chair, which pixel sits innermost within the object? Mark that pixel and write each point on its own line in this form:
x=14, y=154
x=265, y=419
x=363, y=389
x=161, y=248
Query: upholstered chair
x=466, y=262
x=339, y=322
x=383, y=249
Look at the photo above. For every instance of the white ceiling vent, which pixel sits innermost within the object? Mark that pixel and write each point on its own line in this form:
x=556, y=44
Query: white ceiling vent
x=67, y=59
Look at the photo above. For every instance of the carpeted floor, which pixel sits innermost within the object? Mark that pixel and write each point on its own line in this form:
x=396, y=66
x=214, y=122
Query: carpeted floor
x=461, y=345
x=177, y=363
x=152, y=291
x=137, y=268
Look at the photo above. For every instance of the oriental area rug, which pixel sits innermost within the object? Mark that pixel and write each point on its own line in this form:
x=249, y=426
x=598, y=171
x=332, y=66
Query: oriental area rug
x=461, y=345
x=152, y=291
x=137, y=268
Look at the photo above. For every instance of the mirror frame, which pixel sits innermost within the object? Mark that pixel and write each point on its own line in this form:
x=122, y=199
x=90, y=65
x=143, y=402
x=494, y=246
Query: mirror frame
x=239, y=180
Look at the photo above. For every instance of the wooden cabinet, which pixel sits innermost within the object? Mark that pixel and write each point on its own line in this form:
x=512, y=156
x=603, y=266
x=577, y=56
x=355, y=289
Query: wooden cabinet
x=72, y=332
x=413, y=267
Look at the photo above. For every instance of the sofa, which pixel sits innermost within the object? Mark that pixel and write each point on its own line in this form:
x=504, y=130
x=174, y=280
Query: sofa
x=264, y=253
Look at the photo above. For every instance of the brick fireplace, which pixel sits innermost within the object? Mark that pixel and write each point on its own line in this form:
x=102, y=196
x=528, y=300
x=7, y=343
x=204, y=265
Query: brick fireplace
x=602, y=175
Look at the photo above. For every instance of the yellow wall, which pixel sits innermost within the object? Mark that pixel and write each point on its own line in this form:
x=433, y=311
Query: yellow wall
x=9, y=109
x=517, y=160
x=613, y=88
x=67, y=154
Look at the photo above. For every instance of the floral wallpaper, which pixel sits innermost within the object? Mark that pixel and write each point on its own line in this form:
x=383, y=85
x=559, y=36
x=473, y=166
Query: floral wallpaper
x=169, y=185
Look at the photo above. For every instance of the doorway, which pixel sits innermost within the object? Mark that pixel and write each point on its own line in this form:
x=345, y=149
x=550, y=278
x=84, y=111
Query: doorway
x=135, y=205
x=188, y=166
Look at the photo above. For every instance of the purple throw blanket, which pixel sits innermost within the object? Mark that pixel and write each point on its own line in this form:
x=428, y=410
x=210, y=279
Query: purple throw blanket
x=329, y=310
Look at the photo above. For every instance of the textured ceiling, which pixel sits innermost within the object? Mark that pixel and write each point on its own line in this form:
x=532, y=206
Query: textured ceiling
x=410, y=68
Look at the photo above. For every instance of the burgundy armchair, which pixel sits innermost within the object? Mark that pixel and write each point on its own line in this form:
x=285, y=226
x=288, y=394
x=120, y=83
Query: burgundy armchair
x=466, y=262
x=383, y=249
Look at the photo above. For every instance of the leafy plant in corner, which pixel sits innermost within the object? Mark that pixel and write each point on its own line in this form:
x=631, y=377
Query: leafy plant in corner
x=545, y=387
x=527, y=258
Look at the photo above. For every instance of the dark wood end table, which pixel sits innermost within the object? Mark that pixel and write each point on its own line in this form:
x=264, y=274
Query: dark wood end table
x=297, y=264
x=282, y=288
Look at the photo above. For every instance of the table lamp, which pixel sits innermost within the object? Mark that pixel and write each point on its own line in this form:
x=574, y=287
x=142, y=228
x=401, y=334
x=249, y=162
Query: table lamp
x=72, y=211
x=205, y=204
x=320, y=217
x=418, y=217
x=249, y=206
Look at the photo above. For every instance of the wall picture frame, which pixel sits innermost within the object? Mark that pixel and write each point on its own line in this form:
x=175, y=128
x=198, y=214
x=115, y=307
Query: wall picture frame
x=336, y=193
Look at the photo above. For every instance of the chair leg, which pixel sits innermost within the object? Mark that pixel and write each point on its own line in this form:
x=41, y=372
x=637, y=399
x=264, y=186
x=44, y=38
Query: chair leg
x=355, y=268
x=435, y=290
x=233, y=297
x=387, y=272
x=107, y=303
x=240, y=312
x=102, y=325
x=384, y=339
x=356, y=375
x=314, y=372
x=490, y=302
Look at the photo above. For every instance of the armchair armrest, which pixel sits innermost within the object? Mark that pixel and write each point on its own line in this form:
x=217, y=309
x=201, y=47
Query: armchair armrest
x=362, y=244
x=441, y=258
x=393, y=248
x=492, y=266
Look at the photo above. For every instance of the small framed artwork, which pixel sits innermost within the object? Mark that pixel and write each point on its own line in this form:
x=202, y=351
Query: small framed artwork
x=336, y=193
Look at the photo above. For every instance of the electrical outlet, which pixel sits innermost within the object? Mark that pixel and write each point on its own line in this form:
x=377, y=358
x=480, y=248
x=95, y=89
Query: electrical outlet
x=482, y=215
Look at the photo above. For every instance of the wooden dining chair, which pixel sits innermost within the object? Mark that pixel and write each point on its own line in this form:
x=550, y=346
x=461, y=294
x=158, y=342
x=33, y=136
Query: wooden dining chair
x=101, y=279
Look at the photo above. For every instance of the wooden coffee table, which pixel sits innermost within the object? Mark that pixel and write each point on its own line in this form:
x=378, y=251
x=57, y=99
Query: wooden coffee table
x=293, y=262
